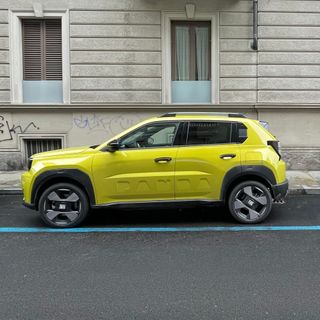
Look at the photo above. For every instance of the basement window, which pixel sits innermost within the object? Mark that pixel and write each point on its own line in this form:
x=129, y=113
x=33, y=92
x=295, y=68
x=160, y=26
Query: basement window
x=37, y=145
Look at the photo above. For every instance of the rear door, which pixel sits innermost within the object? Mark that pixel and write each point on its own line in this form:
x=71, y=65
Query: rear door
x=204, y=160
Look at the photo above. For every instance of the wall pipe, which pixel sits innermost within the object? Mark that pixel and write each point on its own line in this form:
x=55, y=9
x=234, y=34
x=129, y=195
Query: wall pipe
x=254, y=44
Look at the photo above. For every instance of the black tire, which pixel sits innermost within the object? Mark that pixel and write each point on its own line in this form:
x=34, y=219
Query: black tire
x=76, y=203
x=250, y=202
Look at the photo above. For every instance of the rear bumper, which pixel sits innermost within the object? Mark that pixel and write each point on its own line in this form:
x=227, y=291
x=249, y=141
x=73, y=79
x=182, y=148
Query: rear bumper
x=280, y=191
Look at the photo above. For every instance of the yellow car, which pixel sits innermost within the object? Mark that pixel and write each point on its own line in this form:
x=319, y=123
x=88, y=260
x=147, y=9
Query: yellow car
x=177, y=159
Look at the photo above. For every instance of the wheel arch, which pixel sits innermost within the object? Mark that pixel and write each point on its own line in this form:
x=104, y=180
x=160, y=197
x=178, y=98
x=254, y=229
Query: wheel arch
x=73, y=176
x=240, y=174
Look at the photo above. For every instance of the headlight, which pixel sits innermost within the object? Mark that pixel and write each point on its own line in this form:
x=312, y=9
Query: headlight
x=29, y=163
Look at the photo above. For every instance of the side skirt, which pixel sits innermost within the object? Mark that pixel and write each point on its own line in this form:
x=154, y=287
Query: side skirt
x=170, y=204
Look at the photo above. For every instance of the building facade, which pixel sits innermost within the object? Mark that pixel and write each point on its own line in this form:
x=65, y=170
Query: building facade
x=76, y=72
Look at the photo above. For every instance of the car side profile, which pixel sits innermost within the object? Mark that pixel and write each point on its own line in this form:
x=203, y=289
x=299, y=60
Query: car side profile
x=177, y=159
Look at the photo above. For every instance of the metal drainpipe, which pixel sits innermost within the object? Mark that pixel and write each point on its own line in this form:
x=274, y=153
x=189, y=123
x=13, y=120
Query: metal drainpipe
x=254, y=45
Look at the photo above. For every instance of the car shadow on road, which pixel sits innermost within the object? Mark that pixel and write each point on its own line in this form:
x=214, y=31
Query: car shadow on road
x=165, y=217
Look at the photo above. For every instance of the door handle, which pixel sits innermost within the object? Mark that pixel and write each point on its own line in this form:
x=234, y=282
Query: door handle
x=228, y=156
x=162, y=160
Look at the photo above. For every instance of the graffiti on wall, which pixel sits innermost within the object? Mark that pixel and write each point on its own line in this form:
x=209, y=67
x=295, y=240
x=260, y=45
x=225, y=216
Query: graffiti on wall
x=8, y=131
x=112, y=125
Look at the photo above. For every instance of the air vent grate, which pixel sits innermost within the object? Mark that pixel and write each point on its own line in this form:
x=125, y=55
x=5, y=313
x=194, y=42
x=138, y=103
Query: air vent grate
x=33, y=146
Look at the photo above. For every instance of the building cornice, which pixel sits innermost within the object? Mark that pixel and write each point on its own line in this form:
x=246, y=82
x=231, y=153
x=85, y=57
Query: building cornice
x=150, y=107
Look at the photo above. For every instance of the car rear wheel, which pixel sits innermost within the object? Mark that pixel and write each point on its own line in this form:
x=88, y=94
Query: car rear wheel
x=250, y=202
x=63, y=205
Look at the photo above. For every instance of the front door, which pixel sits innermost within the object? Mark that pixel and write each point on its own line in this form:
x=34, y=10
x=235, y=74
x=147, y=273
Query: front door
x=202, y=163
x=142, y=169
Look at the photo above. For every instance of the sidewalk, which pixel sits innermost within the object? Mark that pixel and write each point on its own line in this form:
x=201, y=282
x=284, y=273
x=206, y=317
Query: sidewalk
x=300, y=182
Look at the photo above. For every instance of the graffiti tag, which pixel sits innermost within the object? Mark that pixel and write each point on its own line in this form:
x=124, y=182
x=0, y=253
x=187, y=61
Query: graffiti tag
x=95, y=122
x=8, y=131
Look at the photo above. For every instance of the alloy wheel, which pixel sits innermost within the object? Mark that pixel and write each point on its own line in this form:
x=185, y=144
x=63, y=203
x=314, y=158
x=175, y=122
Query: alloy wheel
x=250, y=203
x=62, y=206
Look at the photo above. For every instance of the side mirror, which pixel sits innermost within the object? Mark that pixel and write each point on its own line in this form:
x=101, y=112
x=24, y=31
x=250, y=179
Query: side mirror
x=113, y=146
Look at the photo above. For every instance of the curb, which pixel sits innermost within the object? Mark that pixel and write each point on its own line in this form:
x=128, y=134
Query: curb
x=10, y=191
x=296, y=191
x=311, y=190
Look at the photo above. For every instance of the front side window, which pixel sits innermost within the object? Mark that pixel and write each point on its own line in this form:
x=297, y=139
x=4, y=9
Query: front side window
x=209, y=133
x=191, y=61
x=42, y=60
x=151, y=136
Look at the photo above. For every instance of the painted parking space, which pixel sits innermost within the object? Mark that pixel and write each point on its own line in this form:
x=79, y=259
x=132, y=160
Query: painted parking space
x=159, y=229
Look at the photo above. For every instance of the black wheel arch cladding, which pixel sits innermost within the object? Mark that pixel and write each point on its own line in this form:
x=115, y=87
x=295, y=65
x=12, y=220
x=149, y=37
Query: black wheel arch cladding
x=57, y=176
x=240, y=172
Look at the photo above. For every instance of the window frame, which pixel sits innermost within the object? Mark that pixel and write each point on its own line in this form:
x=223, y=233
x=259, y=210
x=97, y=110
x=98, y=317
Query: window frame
x=16, y=55
x=185, y=127
x=193, y=66
x=167, y=19
x=174, y=145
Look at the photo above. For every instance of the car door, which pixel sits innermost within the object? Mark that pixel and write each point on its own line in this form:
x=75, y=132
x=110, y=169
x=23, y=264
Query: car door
x=143, y=167
x=202, y=163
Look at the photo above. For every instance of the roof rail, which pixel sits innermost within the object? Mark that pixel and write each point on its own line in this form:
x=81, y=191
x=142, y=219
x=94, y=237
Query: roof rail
x=223, y=114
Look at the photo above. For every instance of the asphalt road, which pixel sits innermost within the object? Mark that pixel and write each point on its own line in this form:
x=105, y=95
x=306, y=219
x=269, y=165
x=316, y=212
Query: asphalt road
x=161, y=275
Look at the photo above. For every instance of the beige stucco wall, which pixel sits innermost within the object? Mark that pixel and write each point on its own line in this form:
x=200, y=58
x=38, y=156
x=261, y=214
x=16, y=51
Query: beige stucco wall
x=116, y=51
x=116, y=58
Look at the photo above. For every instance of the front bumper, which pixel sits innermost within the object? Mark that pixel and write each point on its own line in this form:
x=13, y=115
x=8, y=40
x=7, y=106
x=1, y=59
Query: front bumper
x=26, y=188
x=280, y=191
x=29, y=205
x=26, y=185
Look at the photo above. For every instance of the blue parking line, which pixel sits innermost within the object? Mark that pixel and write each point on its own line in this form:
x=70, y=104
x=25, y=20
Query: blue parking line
x=160, y=229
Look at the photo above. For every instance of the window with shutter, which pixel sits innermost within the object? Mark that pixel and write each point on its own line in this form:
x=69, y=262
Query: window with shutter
x=42, y=60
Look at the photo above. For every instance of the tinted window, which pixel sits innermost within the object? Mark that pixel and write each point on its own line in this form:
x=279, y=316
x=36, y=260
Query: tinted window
x=209, y=133
x=151, y=135
x=239, y=133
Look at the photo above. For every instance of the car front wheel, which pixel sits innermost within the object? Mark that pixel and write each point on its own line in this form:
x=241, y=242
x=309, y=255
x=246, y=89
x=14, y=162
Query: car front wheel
x=250, y=202
x=63, y=205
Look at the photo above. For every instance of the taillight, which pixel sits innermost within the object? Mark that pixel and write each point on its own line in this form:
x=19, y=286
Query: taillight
x=276, y=146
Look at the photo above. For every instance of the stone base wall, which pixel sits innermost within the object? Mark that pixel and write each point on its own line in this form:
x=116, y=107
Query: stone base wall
x=11, y=161
x=302, y=159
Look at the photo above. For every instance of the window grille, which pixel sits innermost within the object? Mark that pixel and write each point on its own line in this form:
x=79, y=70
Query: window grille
x=33, y=146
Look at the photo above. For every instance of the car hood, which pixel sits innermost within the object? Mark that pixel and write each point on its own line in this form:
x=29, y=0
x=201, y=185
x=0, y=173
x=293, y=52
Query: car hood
x=61, y=152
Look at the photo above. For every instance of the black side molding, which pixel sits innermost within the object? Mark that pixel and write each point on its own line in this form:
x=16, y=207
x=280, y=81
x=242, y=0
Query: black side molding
x=159, y=204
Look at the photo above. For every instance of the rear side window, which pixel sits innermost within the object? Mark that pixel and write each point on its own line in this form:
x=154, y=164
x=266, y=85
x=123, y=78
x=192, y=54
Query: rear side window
x=209, y=133
x=239, y=132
